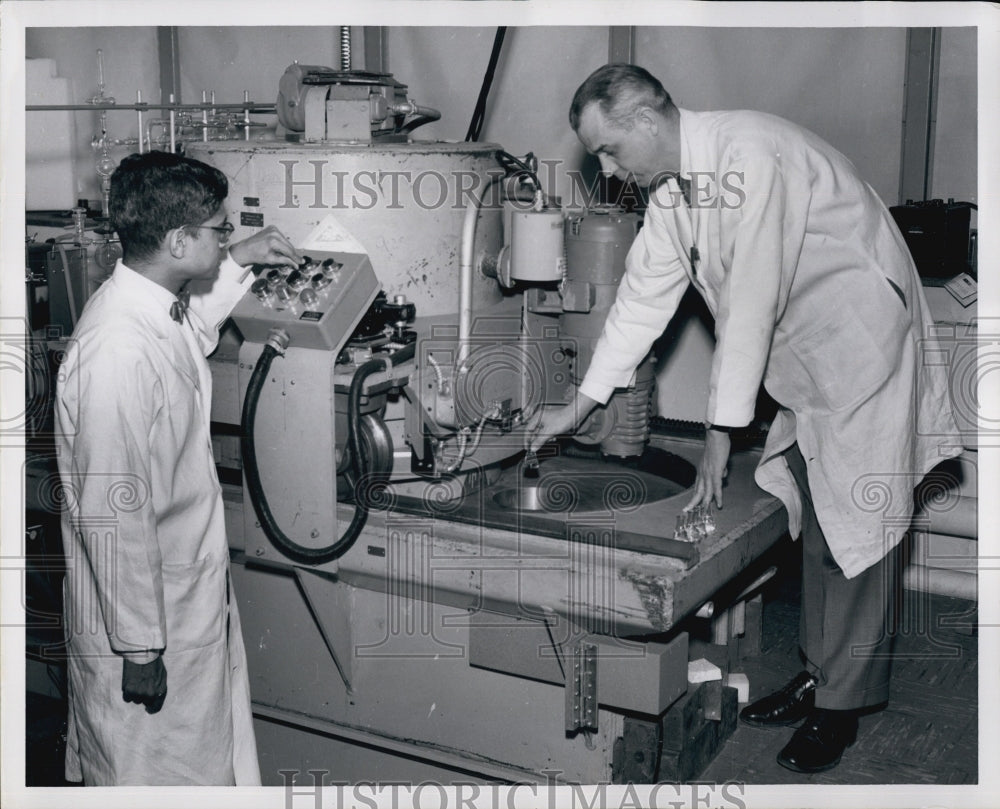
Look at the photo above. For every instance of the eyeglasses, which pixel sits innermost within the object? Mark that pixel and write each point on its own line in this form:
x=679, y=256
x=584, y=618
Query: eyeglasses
x=225, y=230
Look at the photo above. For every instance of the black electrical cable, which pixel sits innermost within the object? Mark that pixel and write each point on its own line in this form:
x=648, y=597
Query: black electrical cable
x=290, y=548
x=515, y=167
x=359, y=463
x=420, y=120
x=479, y=116
x=407, y=352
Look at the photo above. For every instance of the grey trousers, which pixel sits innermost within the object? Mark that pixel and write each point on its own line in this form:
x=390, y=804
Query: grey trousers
x=846, y=625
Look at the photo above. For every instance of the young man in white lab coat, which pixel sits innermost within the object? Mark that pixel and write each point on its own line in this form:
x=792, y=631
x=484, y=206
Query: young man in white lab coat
x=815, y=296
x=158, y=688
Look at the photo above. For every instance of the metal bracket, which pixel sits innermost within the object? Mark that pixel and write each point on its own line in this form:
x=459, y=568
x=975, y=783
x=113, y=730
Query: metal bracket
x=315, y=112
x=331, y=608
x=581, y=688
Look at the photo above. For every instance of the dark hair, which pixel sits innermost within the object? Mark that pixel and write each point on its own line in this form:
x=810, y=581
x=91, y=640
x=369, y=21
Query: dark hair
x=619, y=90
x=153, y=193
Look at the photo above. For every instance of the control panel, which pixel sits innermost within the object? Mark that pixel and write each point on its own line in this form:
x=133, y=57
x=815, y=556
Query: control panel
x=318, y=304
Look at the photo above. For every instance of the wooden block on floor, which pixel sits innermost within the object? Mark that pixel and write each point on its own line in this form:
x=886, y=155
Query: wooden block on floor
x=635, y=753
x=691, y=738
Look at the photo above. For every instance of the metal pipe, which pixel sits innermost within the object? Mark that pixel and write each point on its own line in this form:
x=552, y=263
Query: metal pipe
x=256, y=107
x=100, y=73
x=173, y=127
x=953, y=515
x=707, y=610
x=410, y=108
x=168, y=50
x=767, y=575
x=953, y=583
x=465, y=277
x=204, y=117
x=522, y=342
x=921, y=74
x=138, y=101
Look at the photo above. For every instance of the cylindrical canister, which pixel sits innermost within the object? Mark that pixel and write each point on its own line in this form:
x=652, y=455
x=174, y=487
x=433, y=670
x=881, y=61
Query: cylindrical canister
x=536, y=245
x=597, y=243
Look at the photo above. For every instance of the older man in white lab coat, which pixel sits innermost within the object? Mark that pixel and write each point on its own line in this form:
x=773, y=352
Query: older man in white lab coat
x=157, y=671
x=814, y=296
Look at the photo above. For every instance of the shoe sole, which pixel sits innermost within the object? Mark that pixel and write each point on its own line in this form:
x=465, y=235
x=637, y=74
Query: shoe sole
x=785, y=724
x=788, y=765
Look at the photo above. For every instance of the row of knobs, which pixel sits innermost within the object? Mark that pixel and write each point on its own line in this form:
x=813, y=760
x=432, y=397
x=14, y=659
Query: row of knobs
x=303, y=284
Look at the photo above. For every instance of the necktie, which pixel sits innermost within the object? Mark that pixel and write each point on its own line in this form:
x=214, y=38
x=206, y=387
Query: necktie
x=179, y=307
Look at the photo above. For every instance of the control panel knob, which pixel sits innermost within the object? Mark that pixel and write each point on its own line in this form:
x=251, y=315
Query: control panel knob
x=262, y=289
x=308, y=297
x=274, y=277
x=331, y=267
x=284, y=292
x=297, y=279
x=320, y=281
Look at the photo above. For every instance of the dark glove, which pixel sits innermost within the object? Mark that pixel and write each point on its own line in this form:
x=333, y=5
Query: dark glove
x=145, y=683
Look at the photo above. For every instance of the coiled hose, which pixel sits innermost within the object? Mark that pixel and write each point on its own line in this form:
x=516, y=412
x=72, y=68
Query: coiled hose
x=290, y=548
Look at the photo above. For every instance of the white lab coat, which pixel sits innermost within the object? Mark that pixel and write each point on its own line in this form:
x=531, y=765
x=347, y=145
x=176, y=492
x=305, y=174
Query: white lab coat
x=806, y=275
x=144, y=535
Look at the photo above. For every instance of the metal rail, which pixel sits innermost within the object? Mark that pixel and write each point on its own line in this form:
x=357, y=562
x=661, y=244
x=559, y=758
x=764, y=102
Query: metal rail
x=142, y=105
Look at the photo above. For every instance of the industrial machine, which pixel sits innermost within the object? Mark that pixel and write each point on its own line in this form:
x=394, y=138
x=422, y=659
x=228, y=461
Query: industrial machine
x=419, y=601
x=422, y=600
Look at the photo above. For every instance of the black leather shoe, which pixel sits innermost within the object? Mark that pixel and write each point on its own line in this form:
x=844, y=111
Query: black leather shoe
x=820, y=742
x=784, y=707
